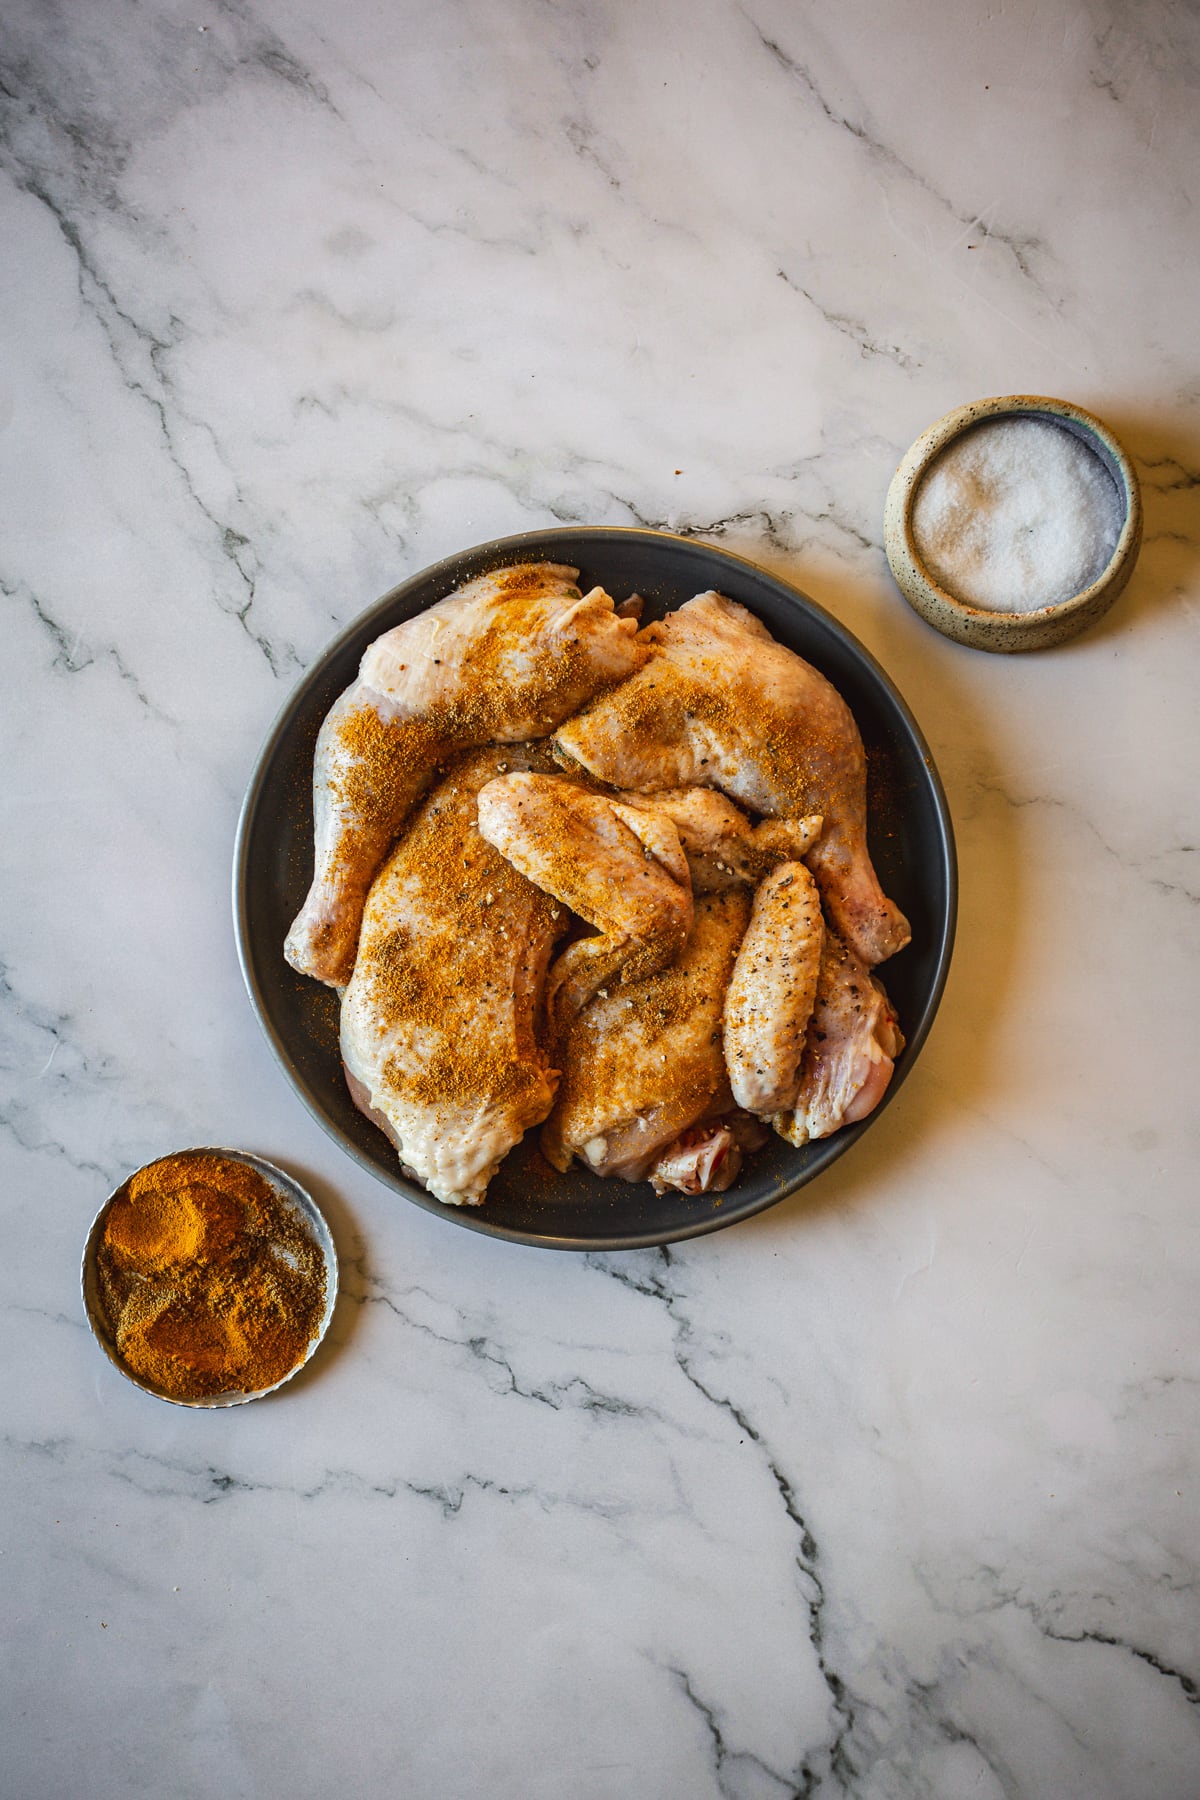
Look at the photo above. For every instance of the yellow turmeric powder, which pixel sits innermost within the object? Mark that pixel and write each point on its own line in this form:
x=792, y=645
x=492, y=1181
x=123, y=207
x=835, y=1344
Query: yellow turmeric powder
x=209, y=1282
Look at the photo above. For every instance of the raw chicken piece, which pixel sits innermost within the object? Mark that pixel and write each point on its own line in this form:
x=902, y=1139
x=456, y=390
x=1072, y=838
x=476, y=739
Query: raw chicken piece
x=853, y=1039
x=439, y=1021
x=619, y=868
x=704, y=1160
x=507, y=657
x=723, y=849
x=721, y=704
x=643, y=1063
x=707, y=1159
x=774, y=980
x=772, y=990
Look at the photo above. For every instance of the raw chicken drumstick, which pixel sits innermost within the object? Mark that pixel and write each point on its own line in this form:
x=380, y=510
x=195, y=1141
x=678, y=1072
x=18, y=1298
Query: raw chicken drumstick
x=721, y=704
x=506, y=658
x=619, y=868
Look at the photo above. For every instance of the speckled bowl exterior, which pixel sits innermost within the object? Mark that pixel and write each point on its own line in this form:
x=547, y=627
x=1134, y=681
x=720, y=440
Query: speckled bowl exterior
x=1009, y=631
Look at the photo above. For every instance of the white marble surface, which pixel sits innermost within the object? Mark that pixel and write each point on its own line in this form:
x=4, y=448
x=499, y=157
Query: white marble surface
x=891, y=1493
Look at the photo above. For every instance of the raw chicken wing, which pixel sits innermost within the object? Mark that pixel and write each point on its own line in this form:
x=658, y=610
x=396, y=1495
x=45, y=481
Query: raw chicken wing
x=772, y=990
x=643, y=1066
x=723, y=849
x=619, y=868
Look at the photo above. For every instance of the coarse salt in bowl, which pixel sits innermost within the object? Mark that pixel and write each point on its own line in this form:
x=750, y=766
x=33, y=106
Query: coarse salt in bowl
x=1013, y=523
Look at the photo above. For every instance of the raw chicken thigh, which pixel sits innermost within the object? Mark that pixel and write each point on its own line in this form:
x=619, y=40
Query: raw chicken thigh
x=507, y=657
x=439, y=1028
x=721, y=704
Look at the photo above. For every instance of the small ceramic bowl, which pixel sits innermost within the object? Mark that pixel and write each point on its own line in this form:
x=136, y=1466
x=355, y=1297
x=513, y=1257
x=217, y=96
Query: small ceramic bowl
x=982, y=628
x=305, y=1213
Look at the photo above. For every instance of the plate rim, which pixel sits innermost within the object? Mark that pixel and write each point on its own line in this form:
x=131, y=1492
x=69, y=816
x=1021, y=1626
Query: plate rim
x=498, y=553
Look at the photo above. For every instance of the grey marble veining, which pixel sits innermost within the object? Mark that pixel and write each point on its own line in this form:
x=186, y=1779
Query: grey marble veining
x=889, y=1494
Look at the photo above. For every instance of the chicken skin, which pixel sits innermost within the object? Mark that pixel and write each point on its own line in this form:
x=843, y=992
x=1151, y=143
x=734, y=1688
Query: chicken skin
x=721, y=704
x=772, y=990
x=723, y=849
x=853, y=1040
x=623, y=865
x=440, y=1023
x=643, y=1067
x=506, y=658
x=774, y=980
x=620, y=869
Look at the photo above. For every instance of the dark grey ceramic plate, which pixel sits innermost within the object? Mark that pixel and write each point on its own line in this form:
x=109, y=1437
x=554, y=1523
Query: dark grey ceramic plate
x=911, y=841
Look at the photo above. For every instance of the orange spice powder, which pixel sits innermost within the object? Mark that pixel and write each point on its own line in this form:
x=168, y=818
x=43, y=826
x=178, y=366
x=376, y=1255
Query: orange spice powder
x=208, y=1281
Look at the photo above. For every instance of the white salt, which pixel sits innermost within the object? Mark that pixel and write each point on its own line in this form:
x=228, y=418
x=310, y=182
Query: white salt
x=1016, y=514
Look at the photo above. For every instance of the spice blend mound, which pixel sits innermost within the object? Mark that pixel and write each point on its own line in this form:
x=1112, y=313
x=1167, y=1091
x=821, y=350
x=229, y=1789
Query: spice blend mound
x=208, y=1281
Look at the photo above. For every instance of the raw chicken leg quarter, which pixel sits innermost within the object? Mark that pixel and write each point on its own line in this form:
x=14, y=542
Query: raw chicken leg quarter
x=506, y=658
x=721, y=704
x=439, y=1023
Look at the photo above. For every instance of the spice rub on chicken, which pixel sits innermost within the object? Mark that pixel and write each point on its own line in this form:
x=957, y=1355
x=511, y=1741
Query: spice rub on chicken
x=644, y=1091
x=440, y=1023
x=506, y=658
x=721, y=704
x=621, y=870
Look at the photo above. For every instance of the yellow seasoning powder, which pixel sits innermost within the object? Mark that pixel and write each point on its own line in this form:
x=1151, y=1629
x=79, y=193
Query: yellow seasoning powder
x=209, y=1282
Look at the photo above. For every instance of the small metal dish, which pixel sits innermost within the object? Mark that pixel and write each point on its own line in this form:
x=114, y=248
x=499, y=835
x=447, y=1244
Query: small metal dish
x=295, y=1198
x=985, y=629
